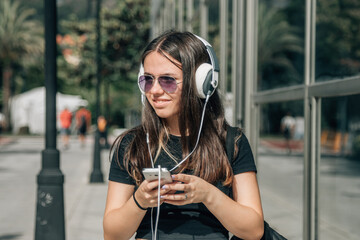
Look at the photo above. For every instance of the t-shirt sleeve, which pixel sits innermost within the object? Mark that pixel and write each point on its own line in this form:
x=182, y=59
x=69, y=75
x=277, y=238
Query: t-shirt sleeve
x=244, y=161
x=117, y=171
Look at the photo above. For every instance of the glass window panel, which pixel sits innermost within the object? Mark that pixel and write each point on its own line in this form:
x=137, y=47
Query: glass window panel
x=280, y=43
x=337, y=39
x=213, y=22
x=280, y=166
x=339, y=180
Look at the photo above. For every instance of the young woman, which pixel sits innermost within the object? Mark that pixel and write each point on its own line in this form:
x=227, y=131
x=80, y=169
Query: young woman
x=210, y=195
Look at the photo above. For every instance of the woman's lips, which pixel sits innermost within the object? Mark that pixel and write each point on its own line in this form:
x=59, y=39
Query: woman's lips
x=160, y=102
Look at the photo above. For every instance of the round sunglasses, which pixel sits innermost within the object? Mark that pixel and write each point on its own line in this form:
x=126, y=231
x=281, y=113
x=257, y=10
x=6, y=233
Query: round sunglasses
x=168, y=84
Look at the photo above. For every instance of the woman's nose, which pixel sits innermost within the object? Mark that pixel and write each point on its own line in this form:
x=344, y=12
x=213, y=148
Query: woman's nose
x=156, y=88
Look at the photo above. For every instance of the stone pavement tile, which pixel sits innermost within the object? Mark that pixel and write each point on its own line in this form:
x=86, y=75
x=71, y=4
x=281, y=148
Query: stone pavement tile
x=86, y=221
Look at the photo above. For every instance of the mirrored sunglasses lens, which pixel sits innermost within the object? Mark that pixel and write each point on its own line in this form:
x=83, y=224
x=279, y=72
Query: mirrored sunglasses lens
x=145, y=83
x=148, y=83
x=168, y=84
x=142, y=82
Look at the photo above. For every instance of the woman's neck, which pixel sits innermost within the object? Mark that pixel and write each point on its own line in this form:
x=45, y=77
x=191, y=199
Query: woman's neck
x=172, y=126
x=174, y=131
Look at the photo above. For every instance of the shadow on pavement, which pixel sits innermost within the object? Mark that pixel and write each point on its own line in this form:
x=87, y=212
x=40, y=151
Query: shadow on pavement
x=10, y=236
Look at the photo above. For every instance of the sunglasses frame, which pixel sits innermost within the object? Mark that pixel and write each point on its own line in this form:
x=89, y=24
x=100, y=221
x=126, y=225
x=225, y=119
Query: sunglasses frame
x=142, y=78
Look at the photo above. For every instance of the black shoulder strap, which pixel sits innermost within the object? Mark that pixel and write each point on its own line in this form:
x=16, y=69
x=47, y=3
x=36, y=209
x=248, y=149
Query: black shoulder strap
x=230, y=141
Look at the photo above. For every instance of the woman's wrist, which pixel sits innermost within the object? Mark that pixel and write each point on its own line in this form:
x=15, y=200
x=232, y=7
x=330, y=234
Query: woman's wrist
x=137, y=203
x=211, y=196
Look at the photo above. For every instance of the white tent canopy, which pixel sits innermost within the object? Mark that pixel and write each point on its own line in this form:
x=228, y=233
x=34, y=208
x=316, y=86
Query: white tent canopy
x=28, y=109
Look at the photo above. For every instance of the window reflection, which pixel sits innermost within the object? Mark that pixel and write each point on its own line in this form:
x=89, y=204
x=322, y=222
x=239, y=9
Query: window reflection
x=280, y=166
x=339, y=189
x=337, y=39
x=280, y=43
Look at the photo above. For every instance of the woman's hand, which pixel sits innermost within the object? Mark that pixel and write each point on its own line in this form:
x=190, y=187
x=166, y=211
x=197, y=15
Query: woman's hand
x=193, y=190
x=147, y=193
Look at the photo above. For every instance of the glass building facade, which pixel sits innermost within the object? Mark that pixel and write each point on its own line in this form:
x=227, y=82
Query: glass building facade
x=299, y=58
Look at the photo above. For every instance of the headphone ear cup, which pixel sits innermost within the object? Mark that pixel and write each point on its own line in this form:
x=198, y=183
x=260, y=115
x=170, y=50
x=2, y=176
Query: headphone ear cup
x=203, y=77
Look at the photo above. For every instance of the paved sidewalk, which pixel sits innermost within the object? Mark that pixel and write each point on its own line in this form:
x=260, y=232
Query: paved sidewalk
x=20, y=162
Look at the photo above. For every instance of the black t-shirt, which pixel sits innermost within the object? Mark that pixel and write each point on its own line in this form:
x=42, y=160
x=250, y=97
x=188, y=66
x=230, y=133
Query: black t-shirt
x=191, y=221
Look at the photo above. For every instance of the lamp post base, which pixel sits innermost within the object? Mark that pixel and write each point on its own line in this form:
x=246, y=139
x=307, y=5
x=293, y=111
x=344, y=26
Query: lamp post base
x=96, y=174
x=50, y=220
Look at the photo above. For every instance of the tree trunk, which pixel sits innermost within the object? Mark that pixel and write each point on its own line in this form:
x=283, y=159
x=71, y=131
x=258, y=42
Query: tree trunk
x=7, y=74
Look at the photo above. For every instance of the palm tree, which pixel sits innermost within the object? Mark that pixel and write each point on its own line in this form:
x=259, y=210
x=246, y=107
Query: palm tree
x=20, y=38
x=276, y=37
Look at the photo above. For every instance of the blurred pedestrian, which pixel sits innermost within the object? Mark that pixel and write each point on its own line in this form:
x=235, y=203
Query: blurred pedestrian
x=83, y=121
x=65, y=123
x=102, y=127
x=299, y=128
x=287, y=128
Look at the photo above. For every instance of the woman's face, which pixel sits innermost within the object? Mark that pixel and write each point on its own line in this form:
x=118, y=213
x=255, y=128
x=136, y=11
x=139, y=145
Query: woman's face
x=166, y=105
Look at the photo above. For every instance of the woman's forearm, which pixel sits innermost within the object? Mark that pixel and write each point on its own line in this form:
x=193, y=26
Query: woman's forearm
x=122, y=223
x=240, y=220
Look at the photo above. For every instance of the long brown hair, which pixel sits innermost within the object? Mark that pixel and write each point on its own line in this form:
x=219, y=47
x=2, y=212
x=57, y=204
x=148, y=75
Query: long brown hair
x=209, y=160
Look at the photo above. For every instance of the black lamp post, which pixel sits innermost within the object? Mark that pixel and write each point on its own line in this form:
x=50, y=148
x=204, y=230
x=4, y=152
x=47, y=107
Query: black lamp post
x=50, y=221
x=96, y=174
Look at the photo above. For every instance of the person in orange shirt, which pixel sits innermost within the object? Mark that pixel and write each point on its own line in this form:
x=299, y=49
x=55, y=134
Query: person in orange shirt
x=83, y=121
x=65, y=123
x=102, y=127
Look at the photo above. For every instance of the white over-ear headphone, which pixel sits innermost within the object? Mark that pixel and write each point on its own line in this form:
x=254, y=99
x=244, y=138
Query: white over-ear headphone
x=206, y=76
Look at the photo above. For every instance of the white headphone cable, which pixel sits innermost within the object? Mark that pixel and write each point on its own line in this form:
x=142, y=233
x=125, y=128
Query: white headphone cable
x=147, y=142
x=154, y=232
x=158, y=205
x=198, y=137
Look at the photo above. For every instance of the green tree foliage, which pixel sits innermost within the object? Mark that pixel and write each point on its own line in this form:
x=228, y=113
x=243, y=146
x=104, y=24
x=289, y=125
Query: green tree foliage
x=277, y=40
x=21, y=40
x=124, y=34
x=337, y=39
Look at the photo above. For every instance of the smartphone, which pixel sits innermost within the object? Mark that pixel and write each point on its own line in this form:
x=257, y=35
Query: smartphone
x=153, y=174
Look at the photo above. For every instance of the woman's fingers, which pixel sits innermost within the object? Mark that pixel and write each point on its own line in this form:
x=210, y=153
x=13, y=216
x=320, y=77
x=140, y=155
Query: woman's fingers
x=185, y=189
x=188, y=189
x=177, y=199
x=182, y=178
x=147, y=193
x=176, y=186
x=150, y=185
x=182, y=182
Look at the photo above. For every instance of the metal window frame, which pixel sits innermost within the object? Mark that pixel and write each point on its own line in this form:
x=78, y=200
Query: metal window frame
x=311, y=93
x=223, y=10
